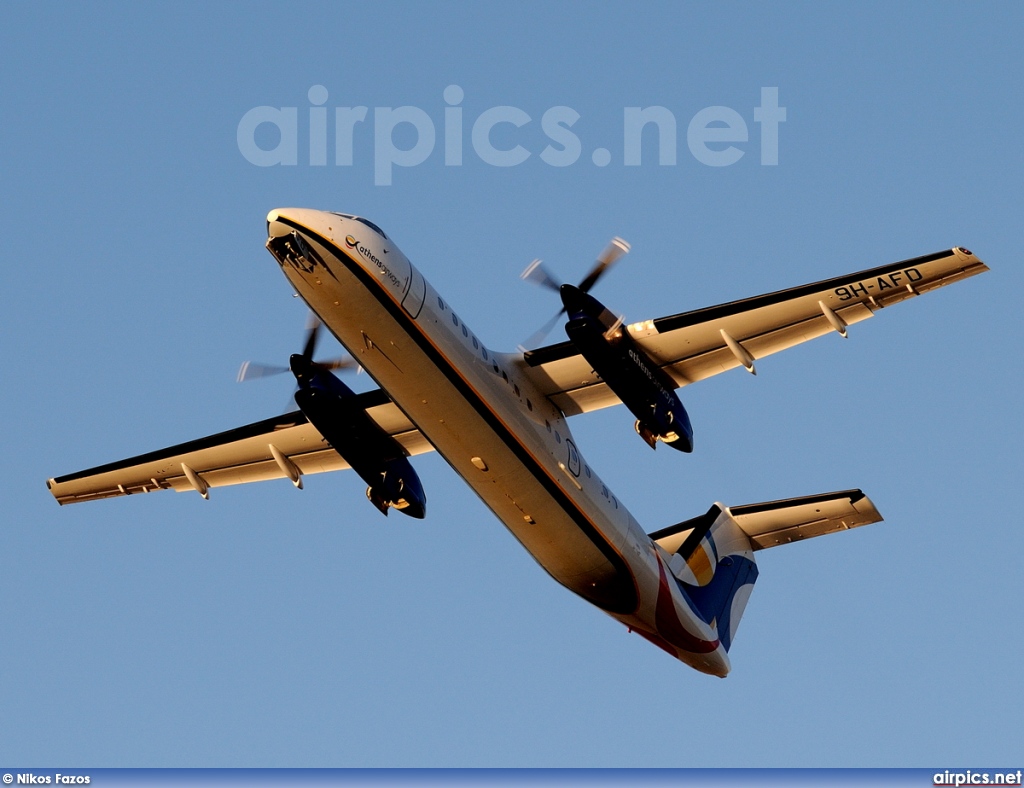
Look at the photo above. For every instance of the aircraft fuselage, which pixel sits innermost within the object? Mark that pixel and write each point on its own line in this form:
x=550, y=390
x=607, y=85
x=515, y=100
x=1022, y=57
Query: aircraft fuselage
x=483, y=415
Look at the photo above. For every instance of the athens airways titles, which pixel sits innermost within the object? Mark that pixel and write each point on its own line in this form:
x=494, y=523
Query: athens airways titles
x=352, y=243
x=647, y=371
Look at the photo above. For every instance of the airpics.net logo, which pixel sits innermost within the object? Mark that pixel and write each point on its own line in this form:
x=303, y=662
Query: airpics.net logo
x=957, y=779
x=715, y=136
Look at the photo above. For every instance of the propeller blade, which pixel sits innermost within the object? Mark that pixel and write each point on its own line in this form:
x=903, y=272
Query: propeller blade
x=313, y=329
x=536, y=272
x=616, y=248
x=610, y=333
x=344, y=362
x=538, y=336
x=253, y=371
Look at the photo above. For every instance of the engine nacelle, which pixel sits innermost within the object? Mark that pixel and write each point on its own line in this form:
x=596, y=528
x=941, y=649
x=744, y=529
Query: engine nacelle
x=381, y=462
x=639, y=382
x=399, y=488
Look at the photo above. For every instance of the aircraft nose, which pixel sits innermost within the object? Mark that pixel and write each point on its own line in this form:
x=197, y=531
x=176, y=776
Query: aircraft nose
x=282, y=221
x=275, y=227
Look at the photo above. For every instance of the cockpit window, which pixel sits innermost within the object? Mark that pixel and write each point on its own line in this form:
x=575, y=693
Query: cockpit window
x=372, y=226
x=361, y=220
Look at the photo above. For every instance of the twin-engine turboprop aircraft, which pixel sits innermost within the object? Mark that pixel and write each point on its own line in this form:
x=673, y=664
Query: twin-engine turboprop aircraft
x=499, y=419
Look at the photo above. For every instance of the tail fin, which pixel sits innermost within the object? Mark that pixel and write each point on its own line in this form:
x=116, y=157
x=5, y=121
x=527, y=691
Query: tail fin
x=712, y=556
x=714, y=563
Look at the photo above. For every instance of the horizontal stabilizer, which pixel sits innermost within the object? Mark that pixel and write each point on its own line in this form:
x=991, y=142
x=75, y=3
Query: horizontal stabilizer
x=781, y=522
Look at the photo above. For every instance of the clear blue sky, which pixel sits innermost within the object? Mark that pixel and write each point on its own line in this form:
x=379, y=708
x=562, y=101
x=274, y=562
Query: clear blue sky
x=270, y=627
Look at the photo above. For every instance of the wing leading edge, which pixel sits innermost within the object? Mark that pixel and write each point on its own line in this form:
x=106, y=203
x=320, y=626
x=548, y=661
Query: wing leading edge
x=692, y=346
x=286, y=446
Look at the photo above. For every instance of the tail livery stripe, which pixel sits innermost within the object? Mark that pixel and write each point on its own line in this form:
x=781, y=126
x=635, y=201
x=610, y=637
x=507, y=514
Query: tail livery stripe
x=718, y=599
x=668, y=623
x=700, y=563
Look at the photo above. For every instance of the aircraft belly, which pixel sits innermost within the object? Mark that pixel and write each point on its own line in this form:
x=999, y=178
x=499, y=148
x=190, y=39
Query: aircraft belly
x=541, y=509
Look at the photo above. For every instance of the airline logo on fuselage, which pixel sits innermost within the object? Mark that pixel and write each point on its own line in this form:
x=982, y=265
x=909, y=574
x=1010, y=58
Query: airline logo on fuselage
x=367, y=254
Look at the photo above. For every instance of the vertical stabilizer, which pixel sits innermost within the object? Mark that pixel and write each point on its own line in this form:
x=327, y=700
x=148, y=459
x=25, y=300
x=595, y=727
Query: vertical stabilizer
x=712, y=556
x=714, y=564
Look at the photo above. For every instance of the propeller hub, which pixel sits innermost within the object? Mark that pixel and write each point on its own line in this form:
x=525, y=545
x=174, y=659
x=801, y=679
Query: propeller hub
x=574, y=299
x=302, y=367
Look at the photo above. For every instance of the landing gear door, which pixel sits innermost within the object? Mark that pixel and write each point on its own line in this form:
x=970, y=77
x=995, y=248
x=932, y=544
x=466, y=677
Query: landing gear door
x=413, y=301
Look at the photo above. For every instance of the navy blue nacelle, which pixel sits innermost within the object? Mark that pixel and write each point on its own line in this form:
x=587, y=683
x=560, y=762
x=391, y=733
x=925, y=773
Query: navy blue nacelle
x=639, y=382
x=381, y=462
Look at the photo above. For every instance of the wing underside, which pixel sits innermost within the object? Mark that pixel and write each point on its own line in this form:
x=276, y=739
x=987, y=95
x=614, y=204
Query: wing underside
x=286, y=446
x=695, y=345
x=690, y=346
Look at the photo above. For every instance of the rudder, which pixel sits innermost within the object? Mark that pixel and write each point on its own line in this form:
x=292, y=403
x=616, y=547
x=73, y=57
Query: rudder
x=712, y=556
x=713, y=562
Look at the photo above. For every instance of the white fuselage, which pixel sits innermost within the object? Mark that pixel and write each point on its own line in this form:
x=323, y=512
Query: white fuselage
x=482, y=414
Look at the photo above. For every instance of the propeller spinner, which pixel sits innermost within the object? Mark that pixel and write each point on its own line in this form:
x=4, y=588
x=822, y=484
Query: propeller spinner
x=537, y=273
x=300, y=364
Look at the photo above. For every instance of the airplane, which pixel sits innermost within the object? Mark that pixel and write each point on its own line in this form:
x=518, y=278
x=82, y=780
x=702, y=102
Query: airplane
x=500, y=420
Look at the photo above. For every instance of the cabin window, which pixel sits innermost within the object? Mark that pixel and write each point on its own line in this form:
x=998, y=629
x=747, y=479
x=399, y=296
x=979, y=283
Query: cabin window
x=515, y=388
x=547, y=424
x=455, y=318
x=586, y=468
x=476, y=345
x=465, y=331
x=483, y=352
x=440, y=303
x=558, y=438
x=529, y=405
x=496, y=370
x=504, y=376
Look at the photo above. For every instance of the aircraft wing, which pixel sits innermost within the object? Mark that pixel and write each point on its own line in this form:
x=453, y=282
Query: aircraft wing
x=695, y=345
x=270, y=449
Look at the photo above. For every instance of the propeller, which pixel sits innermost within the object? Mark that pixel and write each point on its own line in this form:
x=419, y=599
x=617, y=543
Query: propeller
x=251, y=370
x=537, y=273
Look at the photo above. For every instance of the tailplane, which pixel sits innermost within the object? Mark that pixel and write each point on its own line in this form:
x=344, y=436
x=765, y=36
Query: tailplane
x=712, y=556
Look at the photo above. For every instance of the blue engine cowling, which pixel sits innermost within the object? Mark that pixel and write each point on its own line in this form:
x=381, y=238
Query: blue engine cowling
x=379, y=459
x=643, y=387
